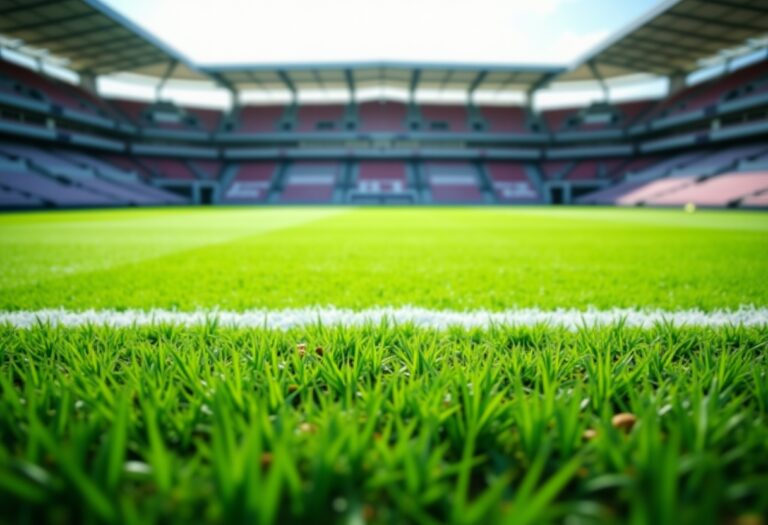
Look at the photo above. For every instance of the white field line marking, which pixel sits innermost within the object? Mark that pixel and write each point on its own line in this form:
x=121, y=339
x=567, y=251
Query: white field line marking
x=288, y=318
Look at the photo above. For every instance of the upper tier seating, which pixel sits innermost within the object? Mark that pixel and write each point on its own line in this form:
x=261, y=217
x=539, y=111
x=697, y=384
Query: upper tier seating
x=708, y=94
x=504, y=119
x=167, y=116
x=57, y=92
x=382, y=116
x=716, y=191
x=259, y=119
x=511, y=182
x=454, y=182
x=438, y=117
x=603, y=117
x=555, y=119
x=320, y=117
x=310, y=182
x=252, y=182
x=659, y=169
x=206, y=119
x=721, y=160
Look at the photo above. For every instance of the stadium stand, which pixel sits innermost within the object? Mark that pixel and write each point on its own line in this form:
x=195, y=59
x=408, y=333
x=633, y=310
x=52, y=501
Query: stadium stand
x=444, y=118
x=644, y=152
x=55, y=92
x=13, y=199
x=165, y=168
x=380, y=182
x=512, y=183
x=756, y=201
x=320, y=118
x=308, y=181
x=454, y=182
x=251, y=182
x=719, y=191
x=259, y=119
x=207, y=169
x=504, y=119
x=382, y=116
x=557, y=169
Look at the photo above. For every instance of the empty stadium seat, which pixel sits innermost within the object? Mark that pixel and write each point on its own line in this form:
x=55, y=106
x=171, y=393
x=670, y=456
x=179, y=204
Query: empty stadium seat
x=454, y=182
x=320, y=117
x=438, y=117
x=511, y=183
x=251, y=183
x=721, y=190
x=259, y=119
x=504, y=119
x=382, y=116
x=310, y=182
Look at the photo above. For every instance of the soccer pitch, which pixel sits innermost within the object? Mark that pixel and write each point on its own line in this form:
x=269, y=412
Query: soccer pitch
x=369, y=365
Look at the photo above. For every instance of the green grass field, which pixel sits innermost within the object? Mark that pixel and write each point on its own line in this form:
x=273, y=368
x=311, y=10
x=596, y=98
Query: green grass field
x=390, y=423
x=437, y=258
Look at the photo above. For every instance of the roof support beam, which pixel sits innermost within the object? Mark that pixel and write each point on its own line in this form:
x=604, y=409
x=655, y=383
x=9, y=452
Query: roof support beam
x=318, y=79
x=164, y=79
x=596, y=73
x=289, y=84
x=50, y=22
x=541, y=83
x=475, y=84
x=536, y=86
x=414, y=84
x=350, y=79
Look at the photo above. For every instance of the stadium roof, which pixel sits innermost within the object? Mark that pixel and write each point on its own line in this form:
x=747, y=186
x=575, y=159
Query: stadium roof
x=92, y=37
x=395, y=75
x=676, y=37
x=673, y=38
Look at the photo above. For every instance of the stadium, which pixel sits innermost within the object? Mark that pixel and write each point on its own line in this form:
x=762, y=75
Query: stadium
x=455, y=288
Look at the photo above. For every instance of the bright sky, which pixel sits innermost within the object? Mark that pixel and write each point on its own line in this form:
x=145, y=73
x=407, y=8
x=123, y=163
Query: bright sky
x=486, y=31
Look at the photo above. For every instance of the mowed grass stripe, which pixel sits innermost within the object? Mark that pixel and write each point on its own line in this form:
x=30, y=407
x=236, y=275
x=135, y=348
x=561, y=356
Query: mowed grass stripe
x=39, y=247
x=455, y=259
